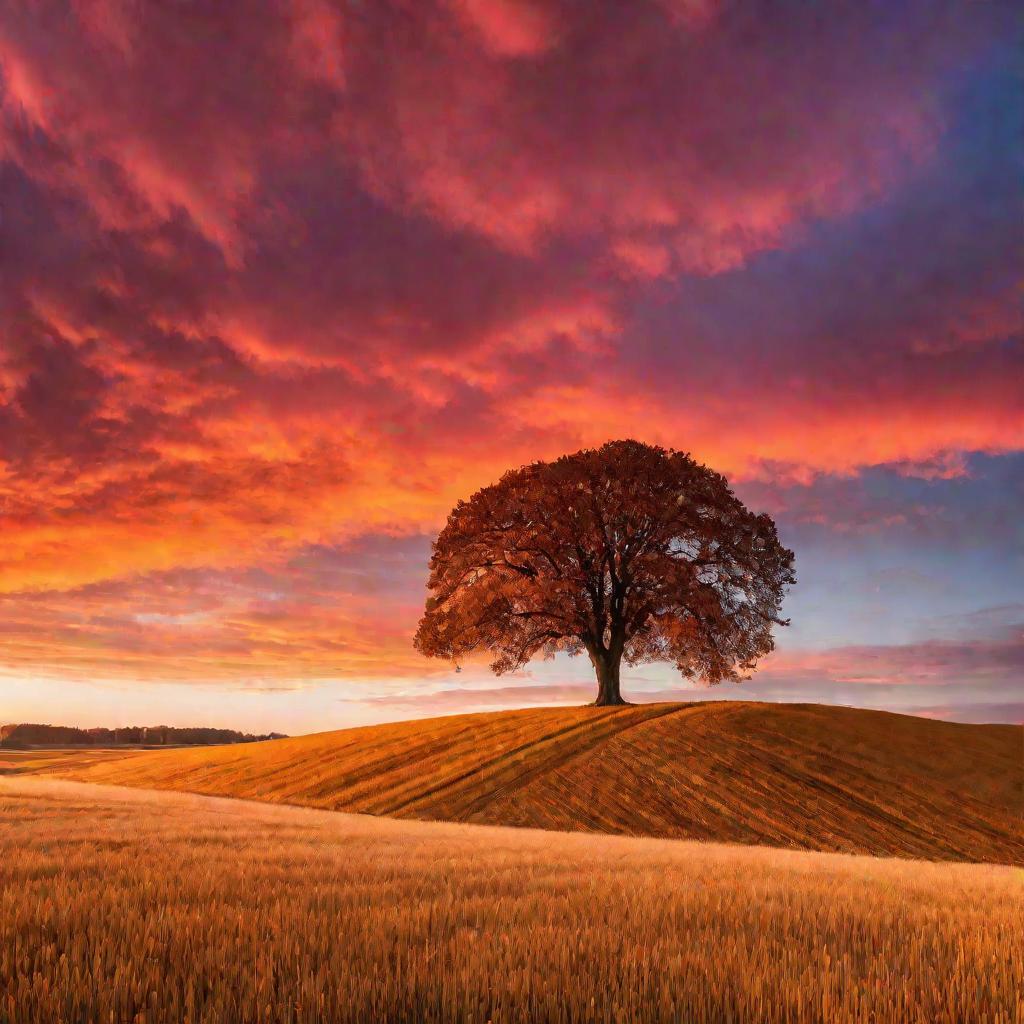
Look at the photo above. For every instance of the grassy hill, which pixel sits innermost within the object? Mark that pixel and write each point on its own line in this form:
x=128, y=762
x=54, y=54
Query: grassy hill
x=789, y=775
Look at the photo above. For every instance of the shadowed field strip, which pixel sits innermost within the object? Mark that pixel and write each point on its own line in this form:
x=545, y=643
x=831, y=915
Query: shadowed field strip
x=796, y=776
x=162, y=907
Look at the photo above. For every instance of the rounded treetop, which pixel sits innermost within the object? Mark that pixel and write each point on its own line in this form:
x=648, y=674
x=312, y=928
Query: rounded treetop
x=628, y=551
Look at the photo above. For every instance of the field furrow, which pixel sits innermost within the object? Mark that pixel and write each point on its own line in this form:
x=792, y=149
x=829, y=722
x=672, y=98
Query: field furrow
x=788, y=775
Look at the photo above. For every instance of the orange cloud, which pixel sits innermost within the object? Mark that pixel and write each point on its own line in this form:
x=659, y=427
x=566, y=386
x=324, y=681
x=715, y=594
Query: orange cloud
x=275, y=281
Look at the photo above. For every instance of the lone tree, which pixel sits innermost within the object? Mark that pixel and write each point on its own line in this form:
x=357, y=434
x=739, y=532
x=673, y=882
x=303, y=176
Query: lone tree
x=625, y=551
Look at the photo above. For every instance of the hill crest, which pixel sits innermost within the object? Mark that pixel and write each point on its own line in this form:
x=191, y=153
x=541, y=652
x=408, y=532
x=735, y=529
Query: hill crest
x=791, y=775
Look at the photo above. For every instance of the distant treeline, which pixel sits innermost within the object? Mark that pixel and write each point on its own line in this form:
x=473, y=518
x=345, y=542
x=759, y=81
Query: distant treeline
x=60, y=735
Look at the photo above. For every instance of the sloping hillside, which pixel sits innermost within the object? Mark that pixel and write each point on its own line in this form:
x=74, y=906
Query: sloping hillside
x=791, y=775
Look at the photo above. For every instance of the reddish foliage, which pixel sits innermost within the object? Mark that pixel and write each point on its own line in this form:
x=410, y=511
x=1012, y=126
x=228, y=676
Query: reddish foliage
x=627, y=551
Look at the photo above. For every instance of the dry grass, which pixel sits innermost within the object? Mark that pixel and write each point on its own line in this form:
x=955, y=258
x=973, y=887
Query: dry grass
x=788, y=775
x=26, y=762
x=128, y=906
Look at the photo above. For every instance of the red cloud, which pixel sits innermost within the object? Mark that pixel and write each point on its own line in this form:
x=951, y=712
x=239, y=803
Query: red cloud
x=510, y=28
x=286, y=277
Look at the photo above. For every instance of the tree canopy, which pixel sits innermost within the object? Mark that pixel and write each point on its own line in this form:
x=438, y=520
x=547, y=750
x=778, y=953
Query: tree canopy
x=628, y=552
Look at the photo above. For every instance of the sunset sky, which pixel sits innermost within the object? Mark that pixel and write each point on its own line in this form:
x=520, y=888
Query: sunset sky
x=281, y=282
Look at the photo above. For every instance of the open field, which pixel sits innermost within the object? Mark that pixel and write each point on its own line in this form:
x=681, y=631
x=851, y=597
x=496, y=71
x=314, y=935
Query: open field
x=159, y=907
x=26, y=762
x=787, y=775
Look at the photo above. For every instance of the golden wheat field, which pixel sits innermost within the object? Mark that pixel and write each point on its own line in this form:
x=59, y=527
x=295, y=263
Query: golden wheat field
x=790, y=775
x=120, y=905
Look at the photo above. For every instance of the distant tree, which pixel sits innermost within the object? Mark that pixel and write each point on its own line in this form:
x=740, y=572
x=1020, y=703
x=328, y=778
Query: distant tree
x=628, y=551
x=28, y=734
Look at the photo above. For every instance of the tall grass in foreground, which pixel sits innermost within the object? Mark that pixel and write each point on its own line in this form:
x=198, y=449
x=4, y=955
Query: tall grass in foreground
x=128, y=906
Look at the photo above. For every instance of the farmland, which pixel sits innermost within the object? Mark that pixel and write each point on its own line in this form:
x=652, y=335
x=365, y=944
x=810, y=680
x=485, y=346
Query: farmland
x=786, y=775
x=161, y=907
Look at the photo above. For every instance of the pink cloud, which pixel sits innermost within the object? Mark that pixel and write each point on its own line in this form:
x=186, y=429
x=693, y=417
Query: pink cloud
x=511, y=28
x=277, y=279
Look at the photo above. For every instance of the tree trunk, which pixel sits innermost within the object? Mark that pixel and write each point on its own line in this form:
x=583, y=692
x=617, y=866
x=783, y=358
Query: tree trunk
x=608, y=693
